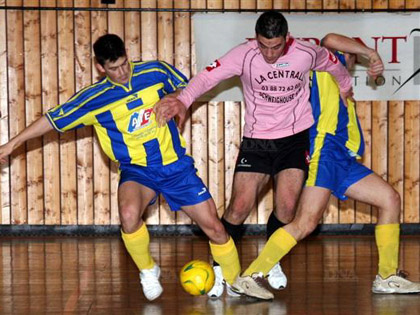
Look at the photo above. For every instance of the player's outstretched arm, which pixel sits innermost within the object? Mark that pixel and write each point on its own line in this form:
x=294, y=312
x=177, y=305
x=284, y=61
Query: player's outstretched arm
x=40, y=127
x=169, y=107
x=346, y=44
x=376, y=66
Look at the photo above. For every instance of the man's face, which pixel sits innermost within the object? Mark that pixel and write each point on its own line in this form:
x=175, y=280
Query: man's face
x=118, y=71
x=273, y=48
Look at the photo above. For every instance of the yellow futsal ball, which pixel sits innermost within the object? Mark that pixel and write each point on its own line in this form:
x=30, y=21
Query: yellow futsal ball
x=197, y=277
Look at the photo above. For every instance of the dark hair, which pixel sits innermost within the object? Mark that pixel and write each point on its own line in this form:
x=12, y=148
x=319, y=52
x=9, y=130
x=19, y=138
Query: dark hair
x=108, y=47
x=271, y=24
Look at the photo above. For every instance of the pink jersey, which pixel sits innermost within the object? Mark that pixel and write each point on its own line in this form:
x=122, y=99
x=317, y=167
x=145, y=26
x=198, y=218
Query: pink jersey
x=276, y=95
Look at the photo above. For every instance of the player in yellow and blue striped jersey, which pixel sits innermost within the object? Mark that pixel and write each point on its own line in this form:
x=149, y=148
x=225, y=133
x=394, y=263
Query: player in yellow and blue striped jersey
x=122, y=114
x=152, y=159
x=336, y=143
x=335, y=134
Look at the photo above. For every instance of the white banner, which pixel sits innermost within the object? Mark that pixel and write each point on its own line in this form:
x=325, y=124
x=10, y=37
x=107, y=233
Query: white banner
x=395, y=36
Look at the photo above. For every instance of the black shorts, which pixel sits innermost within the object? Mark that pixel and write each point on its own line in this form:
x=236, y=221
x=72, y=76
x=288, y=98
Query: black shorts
x=270, y=156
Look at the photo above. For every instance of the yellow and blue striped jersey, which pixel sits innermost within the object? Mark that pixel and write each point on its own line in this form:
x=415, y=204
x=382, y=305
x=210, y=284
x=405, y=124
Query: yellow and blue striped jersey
x=123, y=116
x=332, y=116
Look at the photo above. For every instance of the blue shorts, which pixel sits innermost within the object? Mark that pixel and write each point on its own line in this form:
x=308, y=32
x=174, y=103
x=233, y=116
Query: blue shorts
x=333, y=166
x=178, y=182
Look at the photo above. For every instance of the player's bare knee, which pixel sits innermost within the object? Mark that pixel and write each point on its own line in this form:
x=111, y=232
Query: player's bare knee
x=216, y=233
x=396, y=200
x=286, y=213
x=128, y=218
x=236, y=217
x=240, y=204
x=237, y=212
x=393, y=201
x=286, y=216
x=218, y=228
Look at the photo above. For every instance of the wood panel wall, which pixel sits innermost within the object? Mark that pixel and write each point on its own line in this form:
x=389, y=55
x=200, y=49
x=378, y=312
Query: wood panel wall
x=45, y=56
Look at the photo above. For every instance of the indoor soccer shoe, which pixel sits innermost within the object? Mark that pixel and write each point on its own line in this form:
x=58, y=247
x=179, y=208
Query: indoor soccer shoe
x=149, y=279
x=397, y=284
x=218, y=287
x=231, y=291
x=219, y=283
x=253, y=286
x=276, y=277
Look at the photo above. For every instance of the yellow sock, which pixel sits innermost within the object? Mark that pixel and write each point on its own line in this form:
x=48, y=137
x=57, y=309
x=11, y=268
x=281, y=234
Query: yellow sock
x=388, y=243
x=227, y=257
x=277, y=246
x=137, y=245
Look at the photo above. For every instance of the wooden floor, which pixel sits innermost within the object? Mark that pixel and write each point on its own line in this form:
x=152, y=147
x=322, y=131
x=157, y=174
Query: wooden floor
x=327, y=275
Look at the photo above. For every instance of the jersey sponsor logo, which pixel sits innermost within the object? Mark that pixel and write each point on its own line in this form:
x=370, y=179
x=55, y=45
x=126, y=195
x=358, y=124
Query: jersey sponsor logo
x=281, y=65
x=333, y=57
x=278, y=99
x=140, y=119
x=280, y=74
x=213, y=65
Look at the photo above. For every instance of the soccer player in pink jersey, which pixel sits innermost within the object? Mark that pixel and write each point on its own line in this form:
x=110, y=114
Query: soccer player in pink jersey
x=336, y=143
x=274, y=70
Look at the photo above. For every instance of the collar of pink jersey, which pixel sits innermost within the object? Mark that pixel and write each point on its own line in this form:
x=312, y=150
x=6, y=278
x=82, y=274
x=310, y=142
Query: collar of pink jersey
x=288, y=45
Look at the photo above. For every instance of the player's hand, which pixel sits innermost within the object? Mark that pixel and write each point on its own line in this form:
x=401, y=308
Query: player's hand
x=169, y=107
x=376, y=66
x=348, y=95
x=5, y=151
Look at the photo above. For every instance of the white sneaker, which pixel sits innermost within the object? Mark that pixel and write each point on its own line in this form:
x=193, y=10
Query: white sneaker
x=149, y=279
x=231, y=291
x=276, y=277
x=395, y=284
x=219, y=284
x=253, y=286
x=218, y=287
